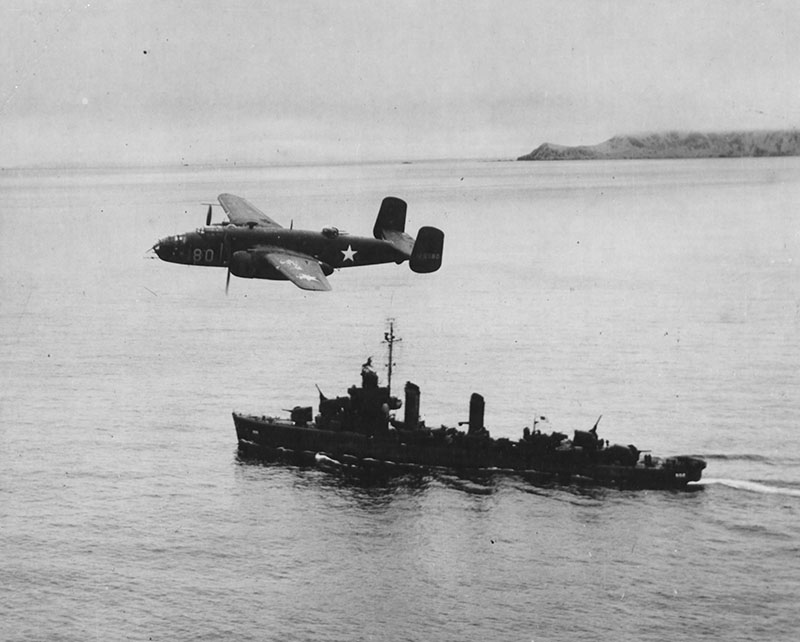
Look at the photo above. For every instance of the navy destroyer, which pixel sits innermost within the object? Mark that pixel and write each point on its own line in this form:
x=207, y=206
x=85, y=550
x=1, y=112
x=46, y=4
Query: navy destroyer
x=363, y=428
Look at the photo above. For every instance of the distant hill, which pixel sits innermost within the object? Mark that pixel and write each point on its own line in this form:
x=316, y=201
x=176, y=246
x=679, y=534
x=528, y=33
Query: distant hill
x=677, y=145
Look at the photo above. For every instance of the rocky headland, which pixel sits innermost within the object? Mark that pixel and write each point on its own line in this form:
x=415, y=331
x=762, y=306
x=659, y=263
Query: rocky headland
x=677, y=145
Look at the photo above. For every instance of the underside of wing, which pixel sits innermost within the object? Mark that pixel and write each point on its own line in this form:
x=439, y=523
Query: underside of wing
x=242, y=212
x=304, y=271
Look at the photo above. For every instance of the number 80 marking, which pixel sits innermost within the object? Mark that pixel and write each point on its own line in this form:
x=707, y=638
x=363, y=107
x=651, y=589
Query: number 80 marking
x=198, y=255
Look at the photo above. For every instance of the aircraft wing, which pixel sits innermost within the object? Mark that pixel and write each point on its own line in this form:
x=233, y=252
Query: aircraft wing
x=242, y=212
x=304, y=271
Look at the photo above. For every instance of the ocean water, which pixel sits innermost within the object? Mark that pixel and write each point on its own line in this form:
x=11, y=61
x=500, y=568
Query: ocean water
x=662, y=295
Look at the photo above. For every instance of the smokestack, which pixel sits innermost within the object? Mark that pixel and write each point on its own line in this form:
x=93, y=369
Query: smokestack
x=476, y=406
x=412, y=406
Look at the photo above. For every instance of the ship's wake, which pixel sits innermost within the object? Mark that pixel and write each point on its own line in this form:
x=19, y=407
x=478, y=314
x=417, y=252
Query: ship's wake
x=751, y=486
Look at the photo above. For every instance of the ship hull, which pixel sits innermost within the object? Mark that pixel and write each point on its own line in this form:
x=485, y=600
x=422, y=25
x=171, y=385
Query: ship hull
x=263, y=437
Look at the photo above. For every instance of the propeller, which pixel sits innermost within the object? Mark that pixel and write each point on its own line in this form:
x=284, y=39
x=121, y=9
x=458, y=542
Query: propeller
x=208, y=216
x=226, y=258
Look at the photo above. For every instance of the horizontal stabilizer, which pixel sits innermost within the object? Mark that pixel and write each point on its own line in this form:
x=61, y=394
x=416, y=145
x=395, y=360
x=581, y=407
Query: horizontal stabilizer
x=427, y=253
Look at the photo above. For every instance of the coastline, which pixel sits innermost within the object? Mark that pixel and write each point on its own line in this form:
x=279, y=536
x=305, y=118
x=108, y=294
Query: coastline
x=674, y=145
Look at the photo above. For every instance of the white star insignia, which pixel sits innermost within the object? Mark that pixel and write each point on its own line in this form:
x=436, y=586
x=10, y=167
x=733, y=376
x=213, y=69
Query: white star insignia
x=349, y=254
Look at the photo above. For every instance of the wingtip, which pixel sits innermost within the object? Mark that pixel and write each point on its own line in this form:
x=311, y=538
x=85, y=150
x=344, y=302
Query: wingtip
x=315, y=287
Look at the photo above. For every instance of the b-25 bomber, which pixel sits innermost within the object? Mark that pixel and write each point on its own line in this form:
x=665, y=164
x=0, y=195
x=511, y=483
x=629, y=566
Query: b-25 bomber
x=253, y=246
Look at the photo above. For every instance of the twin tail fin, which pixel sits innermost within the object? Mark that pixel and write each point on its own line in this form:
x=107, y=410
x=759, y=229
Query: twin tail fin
x=425, y=254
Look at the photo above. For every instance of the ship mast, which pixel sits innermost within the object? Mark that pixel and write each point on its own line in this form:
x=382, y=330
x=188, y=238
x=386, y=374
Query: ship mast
x=390, y=338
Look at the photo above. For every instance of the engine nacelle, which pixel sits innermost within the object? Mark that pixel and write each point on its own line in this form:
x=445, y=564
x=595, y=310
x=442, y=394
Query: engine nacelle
x=243, y=264
x=250, y=265
x=253, y=265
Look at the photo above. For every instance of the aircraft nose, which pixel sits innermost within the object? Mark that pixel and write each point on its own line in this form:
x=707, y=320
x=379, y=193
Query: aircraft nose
x=165, y=248
x=159, y=248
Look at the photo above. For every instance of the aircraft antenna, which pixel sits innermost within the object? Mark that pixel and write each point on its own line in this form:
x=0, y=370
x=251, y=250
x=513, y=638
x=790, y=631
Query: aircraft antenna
x=390, y=338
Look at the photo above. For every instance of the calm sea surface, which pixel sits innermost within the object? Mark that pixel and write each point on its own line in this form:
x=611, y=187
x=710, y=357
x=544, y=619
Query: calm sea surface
x=664, y=295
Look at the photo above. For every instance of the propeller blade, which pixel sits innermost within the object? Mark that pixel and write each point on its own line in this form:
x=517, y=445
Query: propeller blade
x=226, y=258
x=208, y=216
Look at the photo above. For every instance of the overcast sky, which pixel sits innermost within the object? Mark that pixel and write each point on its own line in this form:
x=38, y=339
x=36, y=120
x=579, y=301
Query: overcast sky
x=146, y=82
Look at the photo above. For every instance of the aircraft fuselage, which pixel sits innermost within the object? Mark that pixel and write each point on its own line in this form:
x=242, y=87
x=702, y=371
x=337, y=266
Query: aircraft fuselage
x=254, y=246
x=215, y=245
